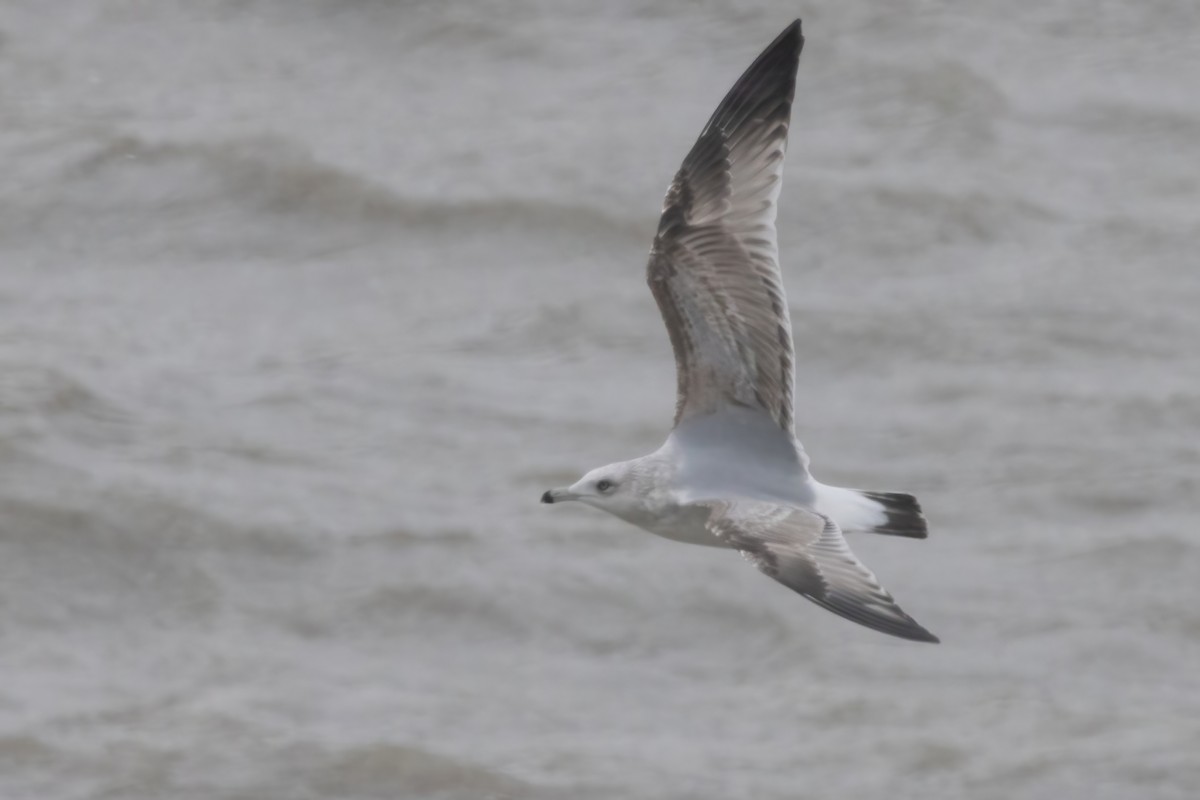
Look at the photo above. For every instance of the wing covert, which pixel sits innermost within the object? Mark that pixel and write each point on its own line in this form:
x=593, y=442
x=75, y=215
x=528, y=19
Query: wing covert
x=806, y=552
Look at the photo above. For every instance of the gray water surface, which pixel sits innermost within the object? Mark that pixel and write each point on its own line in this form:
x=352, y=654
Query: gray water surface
x=303, y=304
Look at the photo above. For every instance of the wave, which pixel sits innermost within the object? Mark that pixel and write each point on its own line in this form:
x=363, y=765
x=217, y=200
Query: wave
x=380, y=769
x=228, y=191
x=1150, y=555
x=82, y=552
x=41, y=399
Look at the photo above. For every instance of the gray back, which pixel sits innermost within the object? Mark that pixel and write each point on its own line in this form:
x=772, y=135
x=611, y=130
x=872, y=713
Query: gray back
x=740, y=452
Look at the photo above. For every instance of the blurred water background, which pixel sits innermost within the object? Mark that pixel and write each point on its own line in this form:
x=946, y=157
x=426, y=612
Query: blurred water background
x=303, y=303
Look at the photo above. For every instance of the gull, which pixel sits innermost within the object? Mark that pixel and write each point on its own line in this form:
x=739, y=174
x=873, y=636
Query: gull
x=732, y=472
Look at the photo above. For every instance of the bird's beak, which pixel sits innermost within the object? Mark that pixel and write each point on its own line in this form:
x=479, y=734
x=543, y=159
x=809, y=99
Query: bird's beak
x=559, y=495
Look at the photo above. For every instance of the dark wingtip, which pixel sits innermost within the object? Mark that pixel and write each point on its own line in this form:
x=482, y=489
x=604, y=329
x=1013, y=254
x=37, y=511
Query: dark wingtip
x=771, y=79
x=928, y=637
x=547, y=498
x=792, y=36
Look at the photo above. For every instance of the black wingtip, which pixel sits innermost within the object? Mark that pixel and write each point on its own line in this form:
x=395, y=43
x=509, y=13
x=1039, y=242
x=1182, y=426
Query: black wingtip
x=922, y=635
x=547, y=497
x=916, y=632
x=791, y=37
x=913, y=631
x=765, y=88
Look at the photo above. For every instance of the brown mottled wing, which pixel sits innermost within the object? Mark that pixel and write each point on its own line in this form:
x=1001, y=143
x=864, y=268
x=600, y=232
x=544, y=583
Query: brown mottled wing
x=714, y=266
x=806, y=552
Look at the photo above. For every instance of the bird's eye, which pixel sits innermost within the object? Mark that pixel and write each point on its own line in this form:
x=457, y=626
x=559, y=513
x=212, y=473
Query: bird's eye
x=604, y=485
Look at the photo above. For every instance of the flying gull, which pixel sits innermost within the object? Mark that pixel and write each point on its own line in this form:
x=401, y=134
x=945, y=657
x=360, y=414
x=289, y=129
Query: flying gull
x=732, y=472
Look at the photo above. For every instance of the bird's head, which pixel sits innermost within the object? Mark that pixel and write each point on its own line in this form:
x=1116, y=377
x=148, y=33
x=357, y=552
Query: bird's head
x=611, y=488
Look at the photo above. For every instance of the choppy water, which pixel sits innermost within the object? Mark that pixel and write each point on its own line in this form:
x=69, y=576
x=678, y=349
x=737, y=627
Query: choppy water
x=303, y=304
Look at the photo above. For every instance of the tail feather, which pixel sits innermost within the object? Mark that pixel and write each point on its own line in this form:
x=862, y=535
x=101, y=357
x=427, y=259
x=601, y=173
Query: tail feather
x=903, y=513
x=890, y=513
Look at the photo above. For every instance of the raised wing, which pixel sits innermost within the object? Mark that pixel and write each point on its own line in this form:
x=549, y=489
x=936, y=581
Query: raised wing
x=714, y=266
x=806, y=552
